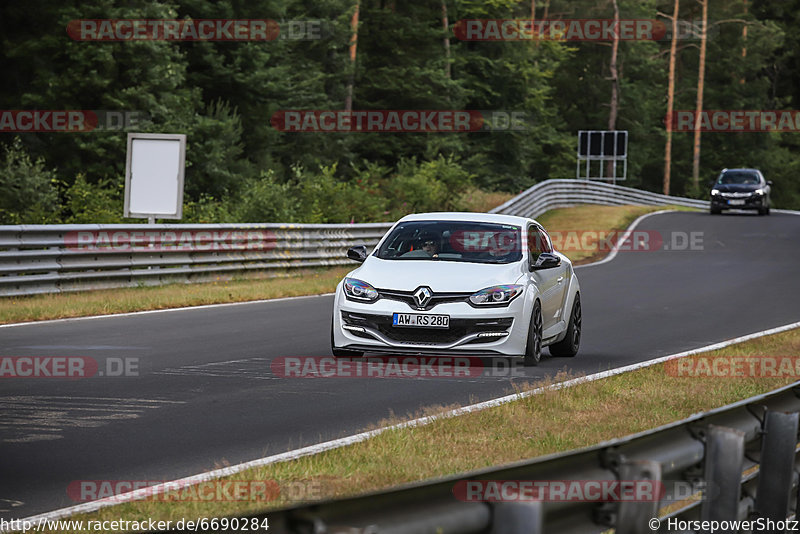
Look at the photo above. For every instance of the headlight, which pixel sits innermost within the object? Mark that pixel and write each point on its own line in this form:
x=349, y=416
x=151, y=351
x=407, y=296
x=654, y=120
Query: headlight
x=715, y=192
x=759, y=191
x=496, y=295
x=360, y=290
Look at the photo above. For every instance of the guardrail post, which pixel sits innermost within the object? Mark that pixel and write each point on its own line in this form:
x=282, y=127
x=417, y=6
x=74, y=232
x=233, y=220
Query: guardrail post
x=776, y=470
x=517, y=518
x=723, y=474
x=633, y=516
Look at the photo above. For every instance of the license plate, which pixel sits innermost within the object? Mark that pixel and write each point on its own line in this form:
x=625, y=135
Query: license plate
x=420, y=320
x=736, y=202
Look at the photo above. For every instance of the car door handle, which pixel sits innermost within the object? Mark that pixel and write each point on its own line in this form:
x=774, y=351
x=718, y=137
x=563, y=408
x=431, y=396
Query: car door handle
x=560, y=279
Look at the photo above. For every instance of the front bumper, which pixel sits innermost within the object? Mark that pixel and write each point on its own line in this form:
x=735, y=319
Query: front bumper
x=368, y=327
x=752, y=202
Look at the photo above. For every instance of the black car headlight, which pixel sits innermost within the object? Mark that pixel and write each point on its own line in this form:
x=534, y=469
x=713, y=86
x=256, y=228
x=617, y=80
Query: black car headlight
x=359, y=290
x=496, y=295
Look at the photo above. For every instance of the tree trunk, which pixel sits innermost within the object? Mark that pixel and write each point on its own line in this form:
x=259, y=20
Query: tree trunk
x=701, y=77
x=446, y=26
x=348, y=100
x=744, y=39
x=612, y=114
x=670, y=98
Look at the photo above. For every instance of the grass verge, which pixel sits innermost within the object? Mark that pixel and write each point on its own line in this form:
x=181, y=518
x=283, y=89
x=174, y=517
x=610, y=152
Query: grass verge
x=554, y=421
x=291, y=283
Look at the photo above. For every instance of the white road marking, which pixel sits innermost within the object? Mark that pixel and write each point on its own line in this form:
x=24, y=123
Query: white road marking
x=626, y=235
x=7, y=504
x=30, y=418
x=255, y=368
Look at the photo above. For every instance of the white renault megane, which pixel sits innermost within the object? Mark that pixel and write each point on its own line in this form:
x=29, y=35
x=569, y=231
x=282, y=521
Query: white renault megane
x=464, y=283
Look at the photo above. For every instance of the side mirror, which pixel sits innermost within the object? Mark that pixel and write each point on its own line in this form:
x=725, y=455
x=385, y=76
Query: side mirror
x=546, y=260
x=769, y=182
x=358, y=253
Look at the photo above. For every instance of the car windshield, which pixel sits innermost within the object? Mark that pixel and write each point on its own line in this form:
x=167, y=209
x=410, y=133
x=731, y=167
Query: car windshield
x=461, y=241
x=745, y=178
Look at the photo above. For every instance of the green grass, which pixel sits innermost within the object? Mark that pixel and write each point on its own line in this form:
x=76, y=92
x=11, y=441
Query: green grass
x=550, y=422
x=291, y=283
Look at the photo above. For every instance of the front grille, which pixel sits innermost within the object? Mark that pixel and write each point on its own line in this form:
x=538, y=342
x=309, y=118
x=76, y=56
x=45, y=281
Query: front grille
x=408, y=298
x=434, y=336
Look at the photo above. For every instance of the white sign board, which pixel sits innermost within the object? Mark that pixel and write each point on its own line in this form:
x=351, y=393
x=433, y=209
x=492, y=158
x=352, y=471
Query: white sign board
x=154, y=175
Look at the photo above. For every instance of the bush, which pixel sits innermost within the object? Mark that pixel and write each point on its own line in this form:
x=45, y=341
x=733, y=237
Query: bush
x=99, y=203
x=428, y=186
x=206, y=210
x=263, y=199
x=326, y=198
x=28, y=191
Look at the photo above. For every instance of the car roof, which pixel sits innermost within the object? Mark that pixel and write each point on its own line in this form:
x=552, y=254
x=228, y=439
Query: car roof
x=468, y=216
x=740, y=170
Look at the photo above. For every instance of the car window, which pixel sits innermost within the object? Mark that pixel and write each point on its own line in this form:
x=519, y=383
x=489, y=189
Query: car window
x=739, y=177
x=463, y=241
x=538, y=242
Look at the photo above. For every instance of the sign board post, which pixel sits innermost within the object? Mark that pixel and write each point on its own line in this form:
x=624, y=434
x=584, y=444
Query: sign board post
x=154, y=176
x=606, y=147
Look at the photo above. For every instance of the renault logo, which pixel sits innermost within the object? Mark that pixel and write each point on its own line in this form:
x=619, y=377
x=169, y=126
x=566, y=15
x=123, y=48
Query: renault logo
x=422, y=296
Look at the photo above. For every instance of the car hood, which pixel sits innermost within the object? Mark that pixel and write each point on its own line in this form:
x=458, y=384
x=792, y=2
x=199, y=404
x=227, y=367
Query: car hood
x=440, y=276
x=736, y=188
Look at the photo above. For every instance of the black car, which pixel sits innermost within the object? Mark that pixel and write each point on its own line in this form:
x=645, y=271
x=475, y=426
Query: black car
x=741, y=189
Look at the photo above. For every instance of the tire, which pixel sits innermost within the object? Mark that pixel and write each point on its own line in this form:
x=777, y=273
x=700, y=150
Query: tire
x=763, y=211
x=767, y=213
x=572, y=341
x=715, y=211
x=343, y=353
x=533, y=349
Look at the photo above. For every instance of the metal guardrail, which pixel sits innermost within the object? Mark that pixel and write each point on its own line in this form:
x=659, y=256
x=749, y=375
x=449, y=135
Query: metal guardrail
x=744, y=456
x=56, y=258
x=562, y=193
x=60, y=258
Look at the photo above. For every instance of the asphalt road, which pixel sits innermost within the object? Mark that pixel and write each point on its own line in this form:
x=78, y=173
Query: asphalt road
x=205, y=396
